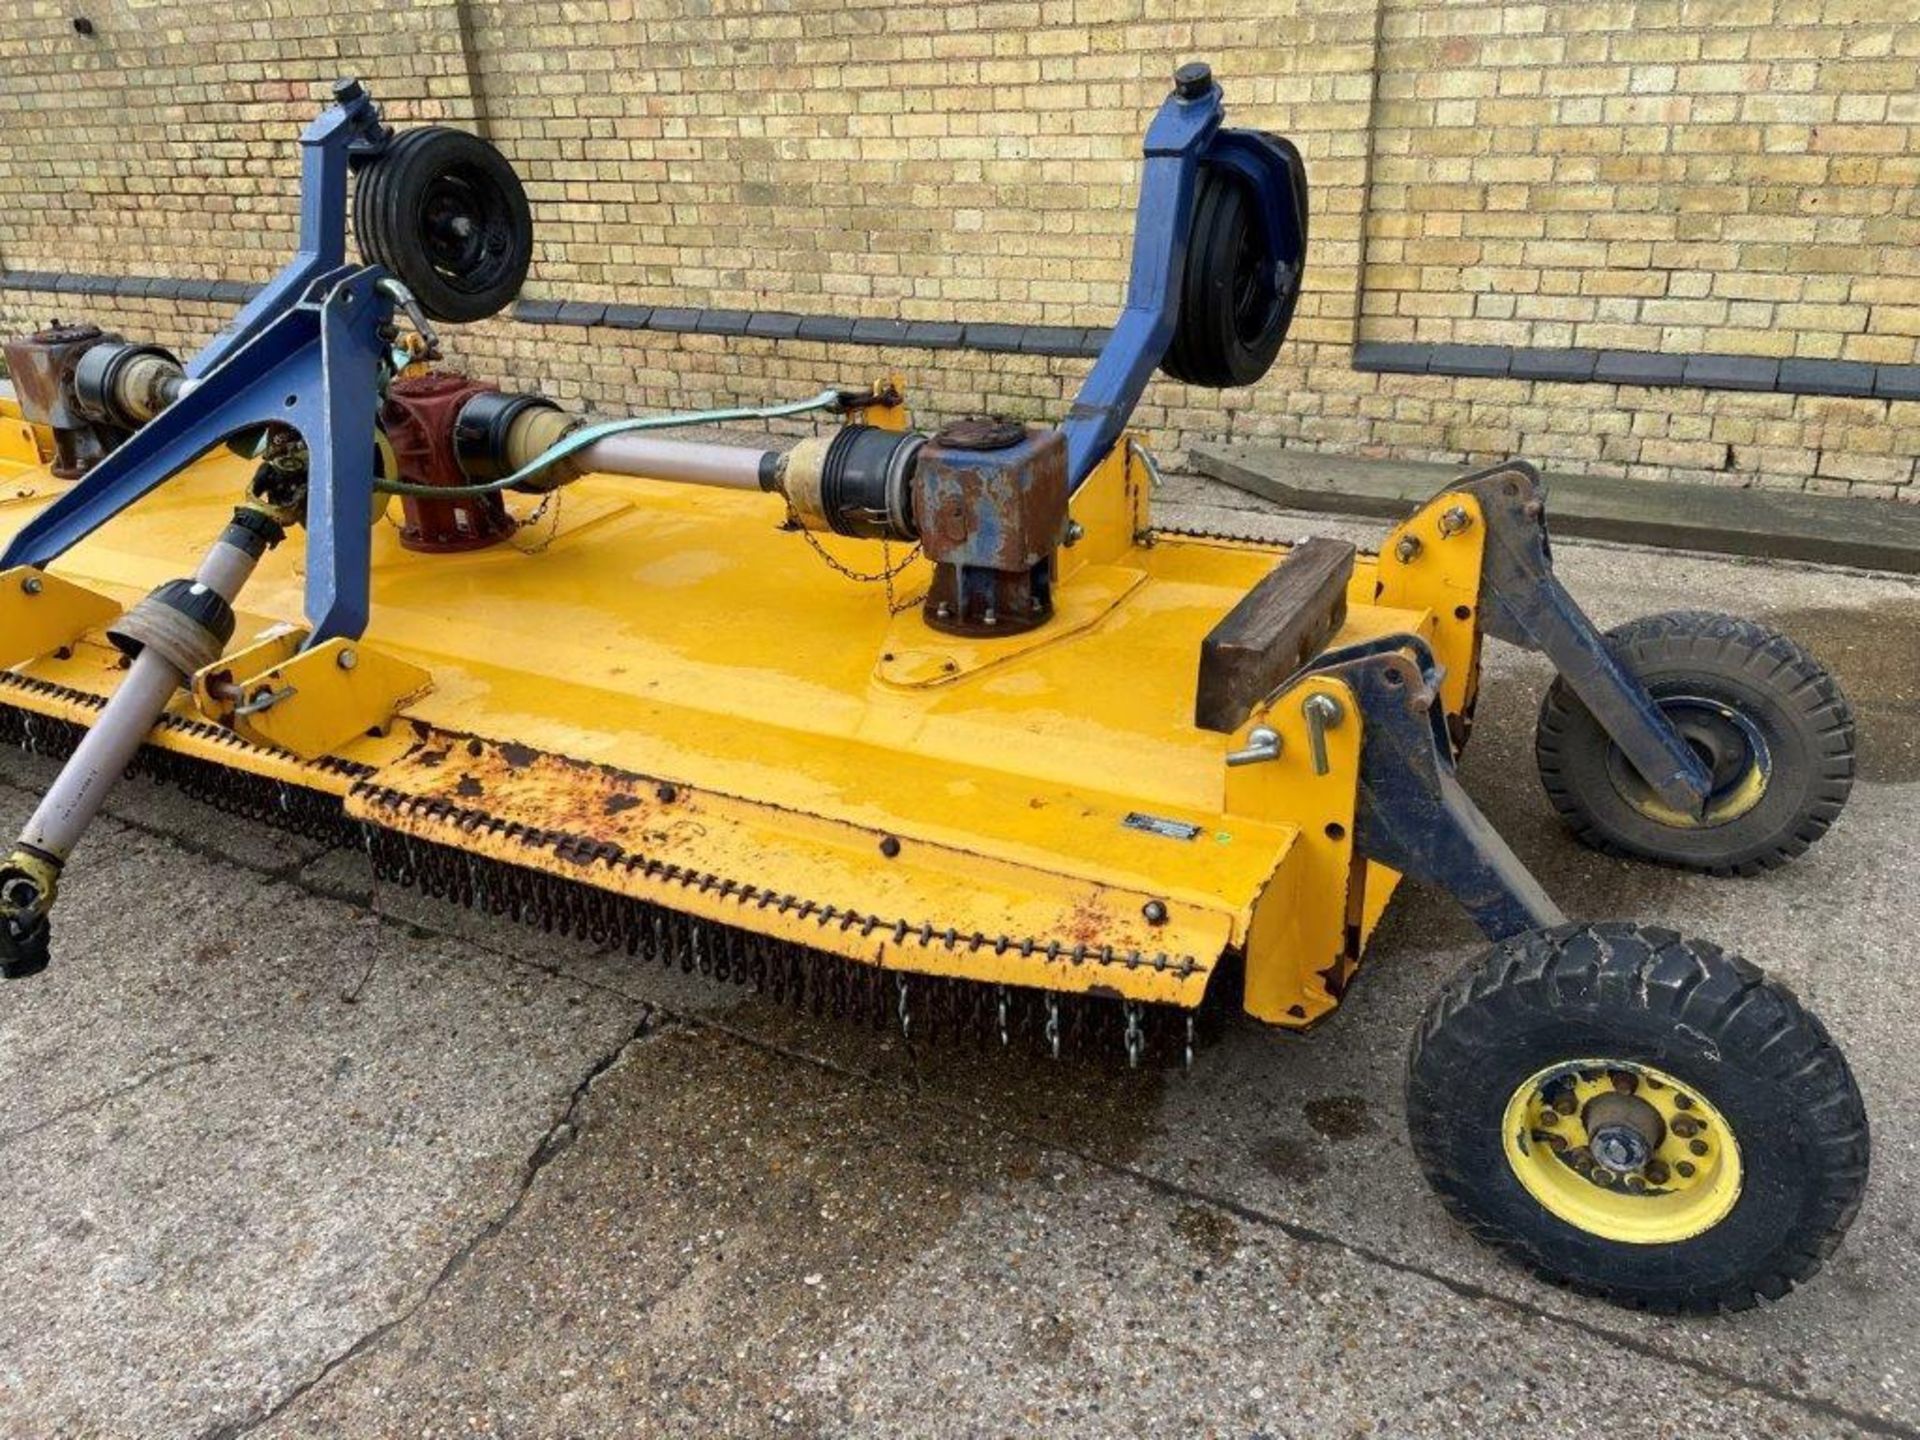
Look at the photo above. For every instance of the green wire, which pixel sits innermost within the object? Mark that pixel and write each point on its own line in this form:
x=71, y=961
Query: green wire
x=575, y=441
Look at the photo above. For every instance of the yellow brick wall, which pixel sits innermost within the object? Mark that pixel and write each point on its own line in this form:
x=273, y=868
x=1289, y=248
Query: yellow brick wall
x=1731, y=175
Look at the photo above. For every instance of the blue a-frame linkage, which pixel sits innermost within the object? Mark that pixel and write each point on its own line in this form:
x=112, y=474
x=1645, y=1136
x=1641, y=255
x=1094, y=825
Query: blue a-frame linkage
x=307, y=353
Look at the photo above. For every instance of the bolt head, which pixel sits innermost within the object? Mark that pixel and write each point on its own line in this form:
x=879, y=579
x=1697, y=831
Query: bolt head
x=1155, y=912
x=33, y=585
x=346, y=659
x=1193, y=80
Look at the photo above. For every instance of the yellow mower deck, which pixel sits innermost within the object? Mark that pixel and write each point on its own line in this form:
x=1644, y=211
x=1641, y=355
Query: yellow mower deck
x=669, y=696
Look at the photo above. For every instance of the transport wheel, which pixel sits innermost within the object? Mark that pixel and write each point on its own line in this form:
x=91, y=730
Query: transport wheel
x=1638, y=1117
x=1234, y=307
x=445, y=213
x=1767, y=718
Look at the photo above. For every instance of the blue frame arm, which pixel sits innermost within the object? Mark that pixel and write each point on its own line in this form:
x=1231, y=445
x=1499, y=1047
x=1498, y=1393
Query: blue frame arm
x=1186, y=134
x=312, y=353
x=345, y=132
x=317, y=367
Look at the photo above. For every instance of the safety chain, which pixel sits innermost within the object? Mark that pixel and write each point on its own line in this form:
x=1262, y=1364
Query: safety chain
x=885, y=575
x=549, y=503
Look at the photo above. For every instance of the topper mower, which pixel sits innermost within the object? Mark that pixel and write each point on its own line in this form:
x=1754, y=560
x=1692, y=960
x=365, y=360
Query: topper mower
x=936, y=727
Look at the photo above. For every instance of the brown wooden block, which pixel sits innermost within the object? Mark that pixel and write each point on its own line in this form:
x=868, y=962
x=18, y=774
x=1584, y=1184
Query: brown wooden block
x=1278, y=626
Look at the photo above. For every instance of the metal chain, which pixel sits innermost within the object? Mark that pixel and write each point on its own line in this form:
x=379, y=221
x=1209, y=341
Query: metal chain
x=551, y=500
x=1135, y=1038
x=885, y=575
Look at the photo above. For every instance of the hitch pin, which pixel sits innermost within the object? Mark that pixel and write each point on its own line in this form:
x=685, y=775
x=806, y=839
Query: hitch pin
x=265, y=700
x=1323, y=713
x=1263, y=743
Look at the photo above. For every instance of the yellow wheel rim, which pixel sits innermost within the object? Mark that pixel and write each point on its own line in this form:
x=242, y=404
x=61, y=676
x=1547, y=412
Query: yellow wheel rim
x=1622, y=1151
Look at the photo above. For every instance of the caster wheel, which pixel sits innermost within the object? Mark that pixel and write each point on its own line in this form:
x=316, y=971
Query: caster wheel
x=1234, y=306
x=1769, y=721
x=1638, y=1117
x=445, y=213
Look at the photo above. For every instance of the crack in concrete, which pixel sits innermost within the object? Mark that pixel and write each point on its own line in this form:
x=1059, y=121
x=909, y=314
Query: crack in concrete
x=105, y=1097
x=658, y=1015
x=553, y=1143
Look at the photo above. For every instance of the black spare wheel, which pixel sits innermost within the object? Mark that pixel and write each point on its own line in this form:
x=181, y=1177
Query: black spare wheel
x=445, y=213
x=1236, y=294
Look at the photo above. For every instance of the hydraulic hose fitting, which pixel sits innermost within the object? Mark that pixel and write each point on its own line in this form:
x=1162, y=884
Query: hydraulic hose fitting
x=28, y=879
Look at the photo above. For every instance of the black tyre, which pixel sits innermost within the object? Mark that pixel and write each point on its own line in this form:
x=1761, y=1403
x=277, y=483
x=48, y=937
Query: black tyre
x=1638, y=1117
x=1767, y=718
x=444, y=211
x=1234, y=305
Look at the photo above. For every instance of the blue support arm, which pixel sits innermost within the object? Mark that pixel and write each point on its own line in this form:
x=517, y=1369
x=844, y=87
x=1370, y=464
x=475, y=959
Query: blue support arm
x=345, y=131
x=1186, y=134
x=310, y=353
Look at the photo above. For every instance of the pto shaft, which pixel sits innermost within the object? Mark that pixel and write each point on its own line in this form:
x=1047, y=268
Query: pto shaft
x=180, y=628
x=856, y=481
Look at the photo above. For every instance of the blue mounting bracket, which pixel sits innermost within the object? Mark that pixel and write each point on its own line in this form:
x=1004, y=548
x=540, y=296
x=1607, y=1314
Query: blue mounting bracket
x=1414, y=816
x=1523, y=602
x=1187, y=133
x=312, y=353
x=317, y=367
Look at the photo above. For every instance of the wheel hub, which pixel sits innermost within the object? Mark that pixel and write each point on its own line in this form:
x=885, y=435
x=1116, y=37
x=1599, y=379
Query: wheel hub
x=1623, y=1131
x=1622, y=1150
x=1729, y=745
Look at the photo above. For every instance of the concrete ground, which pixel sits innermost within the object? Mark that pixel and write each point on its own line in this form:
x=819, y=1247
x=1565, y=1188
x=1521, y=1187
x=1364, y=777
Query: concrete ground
x=285, y=1155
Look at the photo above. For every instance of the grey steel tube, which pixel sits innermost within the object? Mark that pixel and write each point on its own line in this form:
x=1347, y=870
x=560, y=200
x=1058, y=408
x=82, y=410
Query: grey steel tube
x=691, y=462
x=105, y=751
x=101, y=757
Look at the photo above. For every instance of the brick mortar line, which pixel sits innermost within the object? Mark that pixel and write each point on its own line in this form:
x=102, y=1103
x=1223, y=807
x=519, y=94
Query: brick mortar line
x=1573, y=365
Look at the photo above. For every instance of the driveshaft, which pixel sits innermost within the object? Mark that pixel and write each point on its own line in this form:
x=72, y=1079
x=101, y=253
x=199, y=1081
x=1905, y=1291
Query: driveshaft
x=177, y=630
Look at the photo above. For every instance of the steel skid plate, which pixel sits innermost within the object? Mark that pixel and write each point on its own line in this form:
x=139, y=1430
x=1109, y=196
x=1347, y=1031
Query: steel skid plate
x=668, y=696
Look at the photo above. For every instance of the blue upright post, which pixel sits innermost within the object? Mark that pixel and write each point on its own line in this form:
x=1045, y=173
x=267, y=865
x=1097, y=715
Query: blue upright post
x=1186, y=134
x=327, y=146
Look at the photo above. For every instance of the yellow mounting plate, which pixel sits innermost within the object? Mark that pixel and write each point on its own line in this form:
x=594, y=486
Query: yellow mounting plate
x=41, y=613
x=309, y=702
